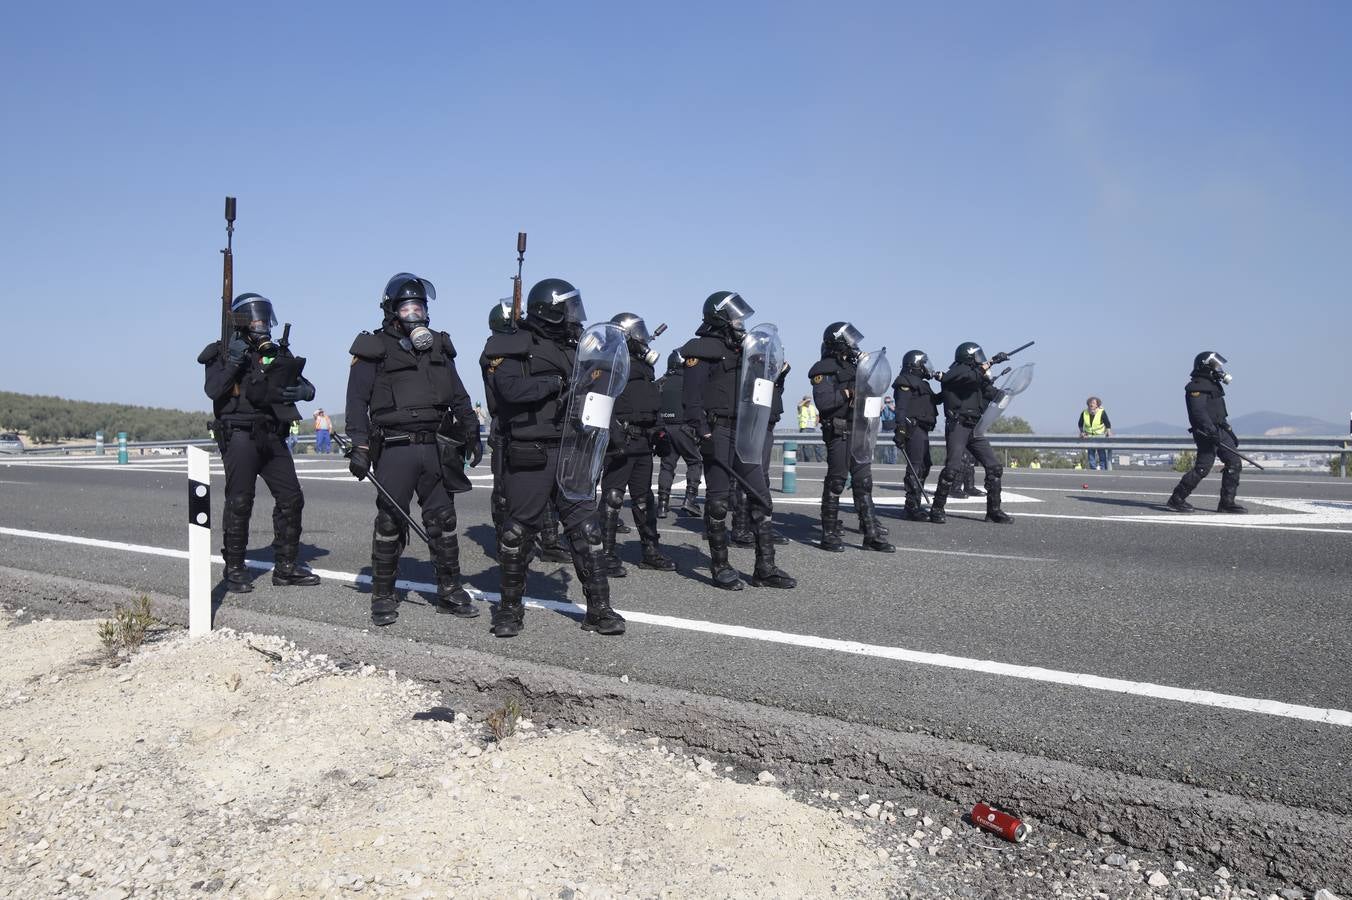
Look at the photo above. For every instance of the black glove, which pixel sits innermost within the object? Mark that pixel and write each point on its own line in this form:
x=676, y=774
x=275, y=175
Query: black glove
x=899, y=438
x=236, y=352
x=359, y=462
x=474, y=451
x=660, y=441
x=999, y=358
x=706, y=445
x=303, y=392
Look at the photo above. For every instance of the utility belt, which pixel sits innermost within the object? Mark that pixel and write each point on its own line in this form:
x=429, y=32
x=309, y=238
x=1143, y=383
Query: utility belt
x=833, y=427
x=258, y=429
x=720, y=419
x=636, y=429
x=965, y=419
x=404, y=438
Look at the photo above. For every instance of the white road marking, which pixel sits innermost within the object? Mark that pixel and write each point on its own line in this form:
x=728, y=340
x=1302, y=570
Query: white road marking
x=1202, y=519
x=1321, y=715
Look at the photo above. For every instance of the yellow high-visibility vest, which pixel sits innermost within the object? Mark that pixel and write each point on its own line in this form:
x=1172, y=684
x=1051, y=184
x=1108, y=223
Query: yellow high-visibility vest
x=807, y=416
x=1092, y=425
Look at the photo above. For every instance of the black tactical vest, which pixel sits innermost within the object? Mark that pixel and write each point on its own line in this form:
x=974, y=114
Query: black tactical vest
x=412, y=390
x=641, y=399
x=916, y=400
x=720, y=391
x=672, y=384
x=964, y=397
x=542, y=420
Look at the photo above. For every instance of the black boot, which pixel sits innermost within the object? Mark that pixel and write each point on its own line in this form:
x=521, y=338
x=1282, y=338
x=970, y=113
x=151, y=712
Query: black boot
x=588, y=562
x=1229, y=488
x=1178, y=500
x=690, y=502
x=993, y=511
x=716, y=533
x=874, y=535
x=509, y=618
x=235, y=541
x=645, y=519
x=831, y=540
x=452, y=597
x=742, y=535
x=663, y=503
x=550, y=548
x=611, y=504
x=286, y=546
x=914, y=511
x=766, y=573
x=386, y=545
x=940, y=498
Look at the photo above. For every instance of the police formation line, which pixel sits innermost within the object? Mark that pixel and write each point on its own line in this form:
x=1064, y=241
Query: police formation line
x=576, y=408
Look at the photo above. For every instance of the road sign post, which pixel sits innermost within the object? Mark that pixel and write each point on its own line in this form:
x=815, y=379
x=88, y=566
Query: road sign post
x=121, y=448
x=199, y=542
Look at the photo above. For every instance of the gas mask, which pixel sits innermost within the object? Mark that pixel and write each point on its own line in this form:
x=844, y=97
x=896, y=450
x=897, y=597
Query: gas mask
x=260, y=335
x=644, y=352
x=413, y=319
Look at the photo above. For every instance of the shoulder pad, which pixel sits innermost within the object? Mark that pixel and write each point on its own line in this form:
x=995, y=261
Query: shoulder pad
x=368, y=346
x=210, y=353
x=446, y=346
x=517, y=343
x=821, y=367
x=703, y=348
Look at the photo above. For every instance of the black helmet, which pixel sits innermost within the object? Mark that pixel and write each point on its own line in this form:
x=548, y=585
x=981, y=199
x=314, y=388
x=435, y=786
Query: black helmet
x=969, y=352
x=726, y=308
x=1211, y=364
x=555, y=302
x=633, y=326
x=675, y=360
x=402, y=287
x=500, y=317
x=916, y=362
x=841, y=339
x=250, y=308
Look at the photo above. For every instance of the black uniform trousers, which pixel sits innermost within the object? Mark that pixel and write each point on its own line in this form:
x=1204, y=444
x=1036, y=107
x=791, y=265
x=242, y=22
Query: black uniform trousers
x=246, y=457
x=839, y=462
x=1207, y=451
x=694, y=466
x=632, y=468
x=408, y=469
x=530, y=490
x=918, y=458
x=720, y=482
x=958, y=439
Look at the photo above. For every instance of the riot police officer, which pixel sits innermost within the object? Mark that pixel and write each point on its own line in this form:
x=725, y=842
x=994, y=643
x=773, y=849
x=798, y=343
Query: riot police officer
x=1211, y=432
x=833, y=392
x=917, y=414
x=254, y=385
x=967, y=389
x=531, y=379
x=547, y=541
x=629, y=455
x=681, y=443
x=409, y=417
x=711, y=399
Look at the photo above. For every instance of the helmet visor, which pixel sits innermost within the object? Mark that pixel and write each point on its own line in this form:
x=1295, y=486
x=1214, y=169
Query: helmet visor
x=400, y=285
x=250, y=309
x=574, y=312
x=1214, y=361
x=848, y=335
x=979, y=356
x=412, y=310
x=734, y=309
x=638, y=331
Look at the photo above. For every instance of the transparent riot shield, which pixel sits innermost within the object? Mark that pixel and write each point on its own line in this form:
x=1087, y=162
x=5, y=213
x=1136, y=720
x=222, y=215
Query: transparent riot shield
x=872, y=382
x=599, y=375
x=762, y=358
x=1008, y=386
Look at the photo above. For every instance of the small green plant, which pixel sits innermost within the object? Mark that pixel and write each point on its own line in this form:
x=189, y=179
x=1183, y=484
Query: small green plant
x=502, y=721
x=128, y=627
x=1185, y=461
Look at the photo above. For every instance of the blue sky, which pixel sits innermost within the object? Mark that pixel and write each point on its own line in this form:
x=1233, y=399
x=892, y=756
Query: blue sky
x=1125, y=184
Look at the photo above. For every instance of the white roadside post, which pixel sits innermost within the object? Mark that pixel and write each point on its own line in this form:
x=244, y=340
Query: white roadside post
x=199, y=542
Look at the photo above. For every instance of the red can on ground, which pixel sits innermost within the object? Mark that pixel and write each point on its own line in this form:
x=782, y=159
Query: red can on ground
x=1006, y=826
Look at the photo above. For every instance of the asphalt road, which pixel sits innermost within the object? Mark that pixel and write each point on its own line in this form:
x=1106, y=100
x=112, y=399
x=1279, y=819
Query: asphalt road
x=1088, y=584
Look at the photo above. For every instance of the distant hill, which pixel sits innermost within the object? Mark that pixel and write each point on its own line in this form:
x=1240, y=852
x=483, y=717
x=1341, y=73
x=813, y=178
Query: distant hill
x=48, y=419
x=1153, y=428
x=1275, y=423
x=1254, y=423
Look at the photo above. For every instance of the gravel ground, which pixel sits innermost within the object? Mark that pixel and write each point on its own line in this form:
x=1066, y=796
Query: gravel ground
x=241, y=765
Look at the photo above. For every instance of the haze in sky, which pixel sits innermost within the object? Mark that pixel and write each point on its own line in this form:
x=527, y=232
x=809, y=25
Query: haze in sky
x=1127, y=184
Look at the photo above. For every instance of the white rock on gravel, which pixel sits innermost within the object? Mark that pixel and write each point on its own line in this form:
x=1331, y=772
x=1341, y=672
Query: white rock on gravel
x=1158, y=879
x=765, y=778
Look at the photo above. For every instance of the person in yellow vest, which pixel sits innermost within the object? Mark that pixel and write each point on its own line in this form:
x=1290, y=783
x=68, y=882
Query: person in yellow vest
x=1094, y=424
x=808, y=421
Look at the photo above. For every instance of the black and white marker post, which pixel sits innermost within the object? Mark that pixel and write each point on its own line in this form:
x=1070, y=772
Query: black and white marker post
x=199, y=542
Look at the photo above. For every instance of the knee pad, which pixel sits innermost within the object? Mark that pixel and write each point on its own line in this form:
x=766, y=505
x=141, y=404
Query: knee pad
x=1233, y=467
x=643, y=503
x=996, y=472
x=835, y=484
x=1201, y=470
x=440, y=522
x=717, y=509
x=514, y=536
x=585, y=538
x=615, y=498
x=947, y=476
x=387, y=524
x=240, y=504
x=863, y=485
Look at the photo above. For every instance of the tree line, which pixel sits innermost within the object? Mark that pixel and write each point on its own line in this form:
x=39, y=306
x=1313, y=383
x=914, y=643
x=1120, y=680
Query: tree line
x=50, y=419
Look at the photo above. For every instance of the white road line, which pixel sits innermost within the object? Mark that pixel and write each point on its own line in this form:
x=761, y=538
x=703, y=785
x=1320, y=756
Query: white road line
x=1321, y=715
x=1203, y=520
